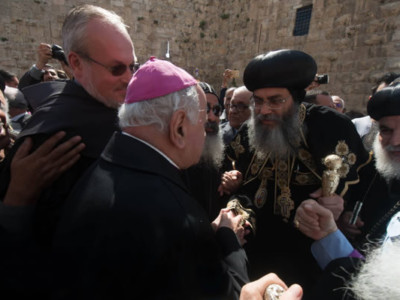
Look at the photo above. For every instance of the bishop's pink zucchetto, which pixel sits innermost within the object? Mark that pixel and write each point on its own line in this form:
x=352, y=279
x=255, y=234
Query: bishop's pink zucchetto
x=157, y=78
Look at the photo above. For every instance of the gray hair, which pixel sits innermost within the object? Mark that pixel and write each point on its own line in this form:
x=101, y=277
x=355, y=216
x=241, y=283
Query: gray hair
x=158, y=111
x=74, y=27
x=241, y=89
x=15, y=98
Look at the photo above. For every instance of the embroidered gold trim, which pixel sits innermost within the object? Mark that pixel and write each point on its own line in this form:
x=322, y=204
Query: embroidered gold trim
x=237, y=147
x=347, y=183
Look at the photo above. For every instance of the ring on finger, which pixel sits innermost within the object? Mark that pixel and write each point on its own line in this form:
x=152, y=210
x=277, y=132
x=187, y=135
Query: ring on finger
x=296, y=223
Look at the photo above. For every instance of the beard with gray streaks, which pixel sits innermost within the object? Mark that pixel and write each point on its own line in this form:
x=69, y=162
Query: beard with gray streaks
x=282, y=139
x=386, y=166
x=213, y=151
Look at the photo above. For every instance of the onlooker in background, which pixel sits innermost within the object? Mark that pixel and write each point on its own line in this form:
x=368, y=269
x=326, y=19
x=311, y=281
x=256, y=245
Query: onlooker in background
x=379, y=196
x=17, y=109
x=239, y=112
x=339, y=104
x=62, y=75
x=319, y=97
x=384, y=81
x=4, y=133
x=363, y=125
x=204, y=177
x=42, y=71
x=10, y=79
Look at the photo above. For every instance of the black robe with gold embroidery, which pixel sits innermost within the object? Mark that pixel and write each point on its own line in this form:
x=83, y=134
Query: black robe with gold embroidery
x=277, y=187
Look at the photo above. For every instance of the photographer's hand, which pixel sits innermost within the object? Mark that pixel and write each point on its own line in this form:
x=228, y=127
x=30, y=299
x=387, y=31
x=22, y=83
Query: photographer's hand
x=44, y=55
x=226, y=77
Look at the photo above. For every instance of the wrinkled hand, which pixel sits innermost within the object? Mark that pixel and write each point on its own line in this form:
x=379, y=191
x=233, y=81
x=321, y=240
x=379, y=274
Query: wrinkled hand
x=334, y=203
x=227, y=218
x=350, y=231
x=40, y=168
x=44, y=54
x=255, y=290
x=230, y=182
x=314, y=220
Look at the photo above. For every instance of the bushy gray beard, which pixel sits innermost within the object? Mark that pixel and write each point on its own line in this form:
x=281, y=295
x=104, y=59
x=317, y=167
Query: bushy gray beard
x=279, y=141
x=378, y=276
x=213, y=151
x=386, y=166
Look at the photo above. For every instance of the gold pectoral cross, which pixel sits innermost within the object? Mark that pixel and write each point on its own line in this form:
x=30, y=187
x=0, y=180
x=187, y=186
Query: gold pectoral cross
x=285, y=203
x=261, y=195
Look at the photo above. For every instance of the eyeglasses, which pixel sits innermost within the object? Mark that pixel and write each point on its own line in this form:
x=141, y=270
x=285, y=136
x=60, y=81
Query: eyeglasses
x=271, y=103
x=216, y=109
x=117, y=70
x=239, y=107
x=338, y=104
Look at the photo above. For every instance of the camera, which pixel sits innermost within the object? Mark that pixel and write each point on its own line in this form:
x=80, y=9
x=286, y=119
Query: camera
x=322, y=79
x=58, y=53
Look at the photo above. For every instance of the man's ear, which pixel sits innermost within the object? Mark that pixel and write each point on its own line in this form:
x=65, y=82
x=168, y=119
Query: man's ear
x=75, y=63
x=177, y=129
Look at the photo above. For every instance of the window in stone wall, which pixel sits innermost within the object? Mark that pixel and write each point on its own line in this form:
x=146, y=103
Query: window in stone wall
x=303, y=17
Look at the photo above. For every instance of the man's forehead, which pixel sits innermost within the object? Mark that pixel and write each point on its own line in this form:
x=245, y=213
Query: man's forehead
x=229, y=93
x=390, y=121
x=111, y=40
x=242, y=96
x=271, y=92
x=211, y=98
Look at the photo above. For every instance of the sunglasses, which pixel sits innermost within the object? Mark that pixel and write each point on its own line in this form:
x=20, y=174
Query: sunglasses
x=117, y=70
x=338, y=104
x=216, y=109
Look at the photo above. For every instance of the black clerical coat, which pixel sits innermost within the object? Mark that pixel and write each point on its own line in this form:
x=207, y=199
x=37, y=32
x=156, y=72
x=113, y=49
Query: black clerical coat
x=65, y=106
x=131, y=231
x=380, y=200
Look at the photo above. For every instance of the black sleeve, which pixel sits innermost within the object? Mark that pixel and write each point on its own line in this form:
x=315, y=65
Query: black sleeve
x=332, y=285
x=27, y=80
x=222, y=96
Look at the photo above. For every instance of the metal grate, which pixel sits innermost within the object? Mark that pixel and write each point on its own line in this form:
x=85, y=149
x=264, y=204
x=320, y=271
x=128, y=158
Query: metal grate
x=303, y=17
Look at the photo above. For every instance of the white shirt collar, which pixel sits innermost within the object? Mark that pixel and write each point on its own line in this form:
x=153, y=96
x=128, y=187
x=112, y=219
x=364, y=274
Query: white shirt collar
x=152, y=147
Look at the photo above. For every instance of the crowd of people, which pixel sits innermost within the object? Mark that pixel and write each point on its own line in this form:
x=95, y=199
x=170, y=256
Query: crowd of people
x=144, y=183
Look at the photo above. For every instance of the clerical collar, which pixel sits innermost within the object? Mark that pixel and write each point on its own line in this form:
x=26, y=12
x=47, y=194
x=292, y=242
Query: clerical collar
x=152, y=147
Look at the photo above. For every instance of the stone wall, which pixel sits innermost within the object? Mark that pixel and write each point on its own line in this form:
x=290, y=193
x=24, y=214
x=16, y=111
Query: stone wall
x=354, y=41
